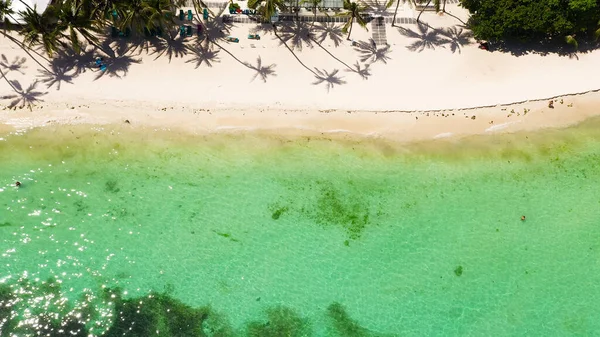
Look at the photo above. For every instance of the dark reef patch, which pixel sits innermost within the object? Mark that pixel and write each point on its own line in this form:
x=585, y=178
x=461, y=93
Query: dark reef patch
x=348, y=210
x=281, y=321
x=277, y=211
x=148, y=315
x=344, y=326
x=226, y=235
x=111, y=186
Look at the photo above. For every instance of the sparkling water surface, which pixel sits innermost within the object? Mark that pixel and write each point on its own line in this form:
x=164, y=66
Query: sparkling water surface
x=128, y=231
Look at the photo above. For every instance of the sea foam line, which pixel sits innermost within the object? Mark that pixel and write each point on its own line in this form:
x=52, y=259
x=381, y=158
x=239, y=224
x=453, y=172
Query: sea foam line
x=500, y=126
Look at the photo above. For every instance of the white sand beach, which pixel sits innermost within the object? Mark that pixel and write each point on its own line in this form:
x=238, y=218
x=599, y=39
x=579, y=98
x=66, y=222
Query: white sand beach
x=319, y=83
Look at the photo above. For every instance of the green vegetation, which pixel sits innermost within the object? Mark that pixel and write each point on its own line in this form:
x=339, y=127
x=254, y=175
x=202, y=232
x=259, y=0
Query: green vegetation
x=150, y=315
x=277, y=211
x=267, y=8
x=355, y=13
x=233, y=6
x=344, y=326
x=281, y=321
x=111, y=186
x=349, y=211
x=534, y=21
x=169, y=316
x=227, y=236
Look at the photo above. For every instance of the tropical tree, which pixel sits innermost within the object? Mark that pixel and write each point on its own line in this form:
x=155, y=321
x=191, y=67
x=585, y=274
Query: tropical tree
x=314, y=4
x=5, y=12
x=40, y=29
x=75, y=20
x=266, y=8
x=512, y=20
x=159, y=13
x=354, y=12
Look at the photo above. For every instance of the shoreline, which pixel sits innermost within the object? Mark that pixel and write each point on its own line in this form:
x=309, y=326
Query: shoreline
x=397, y=126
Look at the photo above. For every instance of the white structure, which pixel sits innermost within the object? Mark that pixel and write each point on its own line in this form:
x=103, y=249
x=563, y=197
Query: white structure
x=21, y=5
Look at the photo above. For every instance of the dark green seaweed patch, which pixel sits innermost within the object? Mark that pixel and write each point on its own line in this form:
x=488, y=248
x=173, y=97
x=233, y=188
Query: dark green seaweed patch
x=277, y=211
x=281, y=321
x=350, y=212
x=343, y=324
x=156, y=313
x=458, y=271
x=45, y=322
x=5, y=224
x=159, y=312
x=80, y=206
x=111, y=186
x=226, y=235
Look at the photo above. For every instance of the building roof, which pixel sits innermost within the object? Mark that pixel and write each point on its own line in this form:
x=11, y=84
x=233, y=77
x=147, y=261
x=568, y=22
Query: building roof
x=21, y=5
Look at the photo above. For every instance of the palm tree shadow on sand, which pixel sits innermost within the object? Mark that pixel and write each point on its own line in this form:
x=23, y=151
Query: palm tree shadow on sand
x=216, y=30
x=15, y=65
x=296, y=34
x=331, y=79
x=203, y=54
x=322, y=76
x=371, y=53
x=56, y=76
x=425, y=36
x=170, y=47
x=363, y=71
x=262, y=70
x=67, y=60
x=329, y=31
x=117, y=66
x=24, y=97
x=457, y=37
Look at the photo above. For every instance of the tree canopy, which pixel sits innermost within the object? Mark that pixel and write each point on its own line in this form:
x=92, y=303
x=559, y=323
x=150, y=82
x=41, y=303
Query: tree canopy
x=532, y=20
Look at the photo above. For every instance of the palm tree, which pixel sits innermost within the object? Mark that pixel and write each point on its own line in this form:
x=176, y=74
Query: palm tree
x=314, y=4
x=75, y=19
x=267, y=8
x=40, y=29
x=159, y=13
x=5, y=12
x=355, y=11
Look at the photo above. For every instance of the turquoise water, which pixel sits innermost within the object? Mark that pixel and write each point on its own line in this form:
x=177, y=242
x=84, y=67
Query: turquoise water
x=118, y=231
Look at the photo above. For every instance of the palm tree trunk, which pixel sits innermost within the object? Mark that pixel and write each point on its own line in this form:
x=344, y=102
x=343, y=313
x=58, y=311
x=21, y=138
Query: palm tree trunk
x=350, y=30
x=111, y=53
x=422, y=10
x=26, y=50
x=7, y=81
x=444, y=7
x=396, y=12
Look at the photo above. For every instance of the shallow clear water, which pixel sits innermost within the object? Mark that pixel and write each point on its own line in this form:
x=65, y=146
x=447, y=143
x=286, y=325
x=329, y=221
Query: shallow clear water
x=138, y=232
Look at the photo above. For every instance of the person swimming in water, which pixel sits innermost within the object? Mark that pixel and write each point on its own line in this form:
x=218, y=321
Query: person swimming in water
x=18, y=184
x=522, y=218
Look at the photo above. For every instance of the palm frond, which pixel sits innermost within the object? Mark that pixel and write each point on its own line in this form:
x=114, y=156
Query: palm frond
x=570, y=39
